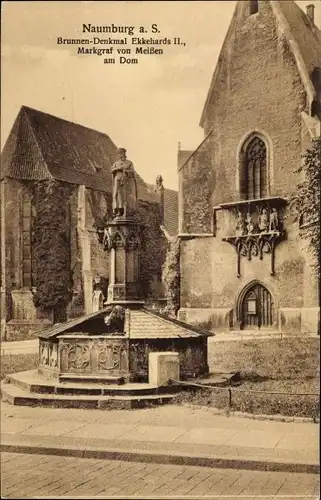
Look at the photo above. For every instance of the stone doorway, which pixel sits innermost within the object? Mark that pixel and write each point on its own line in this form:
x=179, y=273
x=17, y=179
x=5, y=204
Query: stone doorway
x=256, y=307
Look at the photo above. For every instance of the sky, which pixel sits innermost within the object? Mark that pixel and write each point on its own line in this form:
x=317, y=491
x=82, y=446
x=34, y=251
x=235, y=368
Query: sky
x=148, y=107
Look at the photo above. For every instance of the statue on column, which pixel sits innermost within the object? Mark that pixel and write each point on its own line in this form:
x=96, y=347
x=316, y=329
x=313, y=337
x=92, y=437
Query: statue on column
x=124, y=185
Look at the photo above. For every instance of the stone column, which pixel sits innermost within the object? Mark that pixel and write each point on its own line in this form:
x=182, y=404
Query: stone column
x=84, y=243
x=160, y=192
x=180, y=193
x=122, y=240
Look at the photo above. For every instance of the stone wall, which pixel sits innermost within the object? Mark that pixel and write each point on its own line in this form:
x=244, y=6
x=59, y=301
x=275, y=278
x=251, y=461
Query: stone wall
x=209, y=283
x=76, y=307
x=88, y=259
x=257, y=89
x=153, y=250
x=16, y=243
x=98, y=205
x=196, y=184
x=13, y=190
x=192, y=356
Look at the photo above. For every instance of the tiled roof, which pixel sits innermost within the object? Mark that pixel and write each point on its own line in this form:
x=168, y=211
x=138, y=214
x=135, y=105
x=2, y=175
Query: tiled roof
x=140, y=323
x=171, y=211
x=68, y=326
x=42, y=146
x=21, y=157
x=148, y=324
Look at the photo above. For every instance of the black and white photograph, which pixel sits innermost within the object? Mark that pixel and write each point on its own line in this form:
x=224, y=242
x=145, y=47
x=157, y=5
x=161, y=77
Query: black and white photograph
x=160, y=249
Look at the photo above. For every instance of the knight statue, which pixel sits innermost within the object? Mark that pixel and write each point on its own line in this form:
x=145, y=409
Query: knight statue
x=124, y=185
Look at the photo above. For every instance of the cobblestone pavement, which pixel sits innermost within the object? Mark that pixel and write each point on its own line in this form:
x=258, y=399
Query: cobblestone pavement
x=36, y=476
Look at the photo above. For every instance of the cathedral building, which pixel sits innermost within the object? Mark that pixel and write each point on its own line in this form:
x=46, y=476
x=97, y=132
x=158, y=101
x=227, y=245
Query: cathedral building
x=243, y=263
x=56, y=195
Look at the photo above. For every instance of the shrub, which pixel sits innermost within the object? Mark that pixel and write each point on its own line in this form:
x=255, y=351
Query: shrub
x=51, y=245
x=306, y=200
x=171, y=277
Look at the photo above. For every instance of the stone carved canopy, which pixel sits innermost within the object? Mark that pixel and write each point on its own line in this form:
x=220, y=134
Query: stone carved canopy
x=258, y=228
x=122, y=238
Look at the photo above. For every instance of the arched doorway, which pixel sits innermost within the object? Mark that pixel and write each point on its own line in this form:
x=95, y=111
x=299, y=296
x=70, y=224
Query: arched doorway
x=256, y=308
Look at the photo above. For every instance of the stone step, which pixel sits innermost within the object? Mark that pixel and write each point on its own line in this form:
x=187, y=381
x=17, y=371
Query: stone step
x=31, y=381
x=20, y=397
x=105, y=379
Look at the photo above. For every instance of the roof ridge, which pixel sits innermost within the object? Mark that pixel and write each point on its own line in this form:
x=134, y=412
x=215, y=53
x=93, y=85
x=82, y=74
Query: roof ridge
x=178, y=323
x=216, y=68
x=294, y=46
x=195, y=151
x=28, y=108
x=7, y=145
x=61, y=327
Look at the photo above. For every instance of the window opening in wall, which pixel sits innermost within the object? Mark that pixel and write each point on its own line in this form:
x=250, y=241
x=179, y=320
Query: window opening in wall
x=256, y=169
x=254, y=6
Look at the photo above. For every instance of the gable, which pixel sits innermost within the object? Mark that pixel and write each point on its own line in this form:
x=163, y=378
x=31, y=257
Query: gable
x=73, y=153
x=43, y=146
x=21, y=157
x=248, y=35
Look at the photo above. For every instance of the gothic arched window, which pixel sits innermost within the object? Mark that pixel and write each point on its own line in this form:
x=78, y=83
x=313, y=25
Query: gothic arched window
x=255, y=169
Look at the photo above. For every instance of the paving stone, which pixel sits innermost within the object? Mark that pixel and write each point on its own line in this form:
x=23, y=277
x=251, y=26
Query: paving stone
x=301, y=483
x=101, y=431
x=52, y=482
x=259, y=480
x=206, y=486
x=55, y=428
x=296, y=442
x=90, y=477
x=154, y=433
x=17, y=425
x=206, y=436
x=255, y=439
x=235, y=487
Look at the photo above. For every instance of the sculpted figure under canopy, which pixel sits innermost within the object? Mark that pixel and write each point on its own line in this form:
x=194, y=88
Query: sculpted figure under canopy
x=124, y=185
